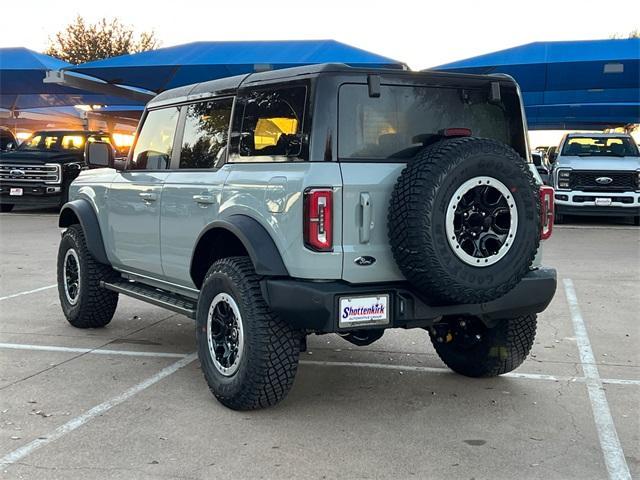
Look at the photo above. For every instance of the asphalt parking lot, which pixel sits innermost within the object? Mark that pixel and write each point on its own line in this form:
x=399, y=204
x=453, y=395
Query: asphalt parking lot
x=129, y=401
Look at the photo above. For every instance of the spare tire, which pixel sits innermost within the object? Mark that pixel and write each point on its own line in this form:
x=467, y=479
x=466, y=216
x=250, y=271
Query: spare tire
x=464, y=220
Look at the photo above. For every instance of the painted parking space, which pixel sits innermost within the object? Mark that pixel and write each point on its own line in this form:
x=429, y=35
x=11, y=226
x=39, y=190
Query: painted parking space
x=135, y=407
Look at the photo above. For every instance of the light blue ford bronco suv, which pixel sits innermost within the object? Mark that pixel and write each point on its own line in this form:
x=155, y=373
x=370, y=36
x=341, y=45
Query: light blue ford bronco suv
x=314, y=200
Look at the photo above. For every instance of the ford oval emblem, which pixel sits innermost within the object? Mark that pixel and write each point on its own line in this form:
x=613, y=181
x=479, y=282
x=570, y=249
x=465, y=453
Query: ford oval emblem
x=364, y=261
x=604, y=180
x=16, y=173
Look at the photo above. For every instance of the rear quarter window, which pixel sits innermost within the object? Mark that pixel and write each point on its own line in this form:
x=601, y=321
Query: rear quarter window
x=272, y=125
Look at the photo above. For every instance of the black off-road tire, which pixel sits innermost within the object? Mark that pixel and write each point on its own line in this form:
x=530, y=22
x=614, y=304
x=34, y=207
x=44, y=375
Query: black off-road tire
x=501, y=349
x=95, y=306
x=271, y=347
x=558, y=219
x=417, y=216
x=6, y=207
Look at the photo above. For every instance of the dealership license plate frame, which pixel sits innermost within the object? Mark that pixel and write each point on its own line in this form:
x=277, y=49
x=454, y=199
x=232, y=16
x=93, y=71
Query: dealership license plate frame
x=364, y=300
x=16, y=192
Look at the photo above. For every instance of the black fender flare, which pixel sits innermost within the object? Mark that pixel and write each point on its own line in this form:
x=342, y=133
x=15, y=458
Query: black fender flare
x=83, y=211
x=256, y=240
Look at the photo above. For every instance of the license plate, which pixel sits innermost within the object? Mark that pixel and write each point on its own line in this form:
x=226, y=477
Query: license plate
x=355, y=311
x=603, y=202
x=15, y=192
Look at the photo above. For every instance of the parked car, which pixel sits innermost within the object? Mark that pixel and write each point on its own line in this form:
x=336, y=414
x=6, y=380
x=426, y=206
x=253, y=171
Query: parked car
x=597, y=174
x=39, y=171
x=543, y=168
x=313, y=200
x=8, y=140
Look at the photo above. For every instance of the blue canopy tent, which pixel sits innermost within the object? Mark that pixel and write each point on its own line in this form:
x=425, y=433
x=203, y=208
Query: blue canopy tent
x=569, y=85
x=166, y=68
x=21, y=84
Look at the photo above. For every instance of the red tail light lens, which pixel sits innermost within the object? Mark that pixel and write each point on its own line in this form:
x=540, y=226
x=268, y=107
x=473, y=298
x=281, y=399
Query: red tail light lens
x=546, y=211
x=318, y=219
x=455, y=132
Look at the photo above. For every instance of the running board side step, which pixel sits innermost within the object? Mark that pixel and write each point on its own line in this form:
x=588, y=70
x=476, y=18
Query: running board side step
x=155, y=296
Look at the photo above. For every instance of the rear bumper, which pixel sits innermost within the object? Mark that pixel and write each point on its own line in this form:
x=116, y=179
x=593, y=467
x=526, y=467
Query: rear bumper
x=34, y=194
x=314, y=306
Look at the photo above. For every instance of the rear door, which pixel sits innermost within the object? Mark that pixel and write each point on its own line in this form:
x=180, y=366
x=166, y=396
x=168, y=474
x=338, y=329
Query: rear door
x=135, y=196
x=377, y=136
x=192, y=190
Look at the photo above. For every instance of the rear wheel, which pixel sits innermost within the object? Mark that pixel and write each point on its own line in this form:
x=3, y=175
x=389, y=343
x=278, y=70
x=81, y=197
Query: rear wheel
x=636, y=221
x=84, y=302
x=6, y=207
x=248, y=355
x=467, y=346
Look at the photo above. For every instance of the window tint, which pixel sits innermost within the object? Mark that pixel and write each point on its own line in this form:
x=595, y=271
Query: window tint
x=153, y=149
x=205, y=134
x=396, y=124
x=272, y=123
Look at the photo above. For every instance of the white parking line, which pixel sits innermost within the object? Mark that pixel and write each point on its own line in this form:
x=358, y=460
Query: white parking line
x=383, y=366
x=77, y=422
x=609, y=442
x=19, y=294
x=99, y=351
x=436, y=370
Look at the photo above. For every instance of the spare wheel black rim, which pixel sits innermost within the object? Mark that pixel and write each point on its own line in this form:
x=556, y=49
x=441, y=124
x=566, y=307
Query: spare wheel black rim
x=481, y=221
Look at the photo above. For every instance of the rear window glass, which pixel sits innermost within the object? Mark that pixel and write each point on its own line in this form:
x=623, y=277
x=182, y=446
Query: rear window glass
x=398, y=122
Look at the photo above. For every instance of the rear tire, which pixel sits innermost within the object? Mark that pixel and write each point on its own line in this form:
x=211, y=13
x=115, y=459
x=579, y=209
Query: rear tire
x=636, y=221
x=498, y=350
x=248, y=355
x=6, y=207
x=84, y=302
x=464, y=220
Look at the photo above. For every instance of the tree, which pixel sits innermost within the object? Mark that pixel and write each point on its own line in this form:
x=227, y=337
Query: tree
x=83, y=42
x=632, y=34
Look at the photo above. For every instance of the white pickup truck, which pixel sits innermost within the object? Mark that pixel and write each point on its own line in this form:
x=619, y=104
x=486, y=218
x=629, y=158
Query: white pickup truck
x=597, y=174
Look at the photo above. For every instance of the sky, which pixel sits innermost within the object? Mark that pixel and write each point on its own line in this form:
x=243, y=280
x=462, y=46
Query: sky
x=420, y=33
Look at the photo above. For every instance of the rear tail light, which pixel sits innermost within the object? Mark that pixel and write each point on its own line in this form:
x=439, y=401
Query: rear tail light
x=318, y=219
x=546, y=211
x=455, y=132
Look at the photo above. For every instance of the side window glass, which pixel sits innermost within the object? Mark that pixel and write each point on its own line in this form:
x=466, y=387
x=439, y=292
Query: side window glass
x=50, y=142
x=153, y=148
x=272, y=124
x=72, y=142
x=206, y=129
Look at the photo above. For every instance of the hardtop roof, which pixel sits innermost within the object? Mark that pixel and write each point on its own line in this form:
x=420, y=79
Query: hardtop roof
x=230, y=84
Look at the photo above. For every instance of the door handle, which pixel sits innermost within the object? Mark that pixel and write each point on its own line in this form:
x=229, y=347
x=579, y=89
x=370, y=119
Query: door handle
x=204, y=199
x=148, y=196
x=366, y=225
